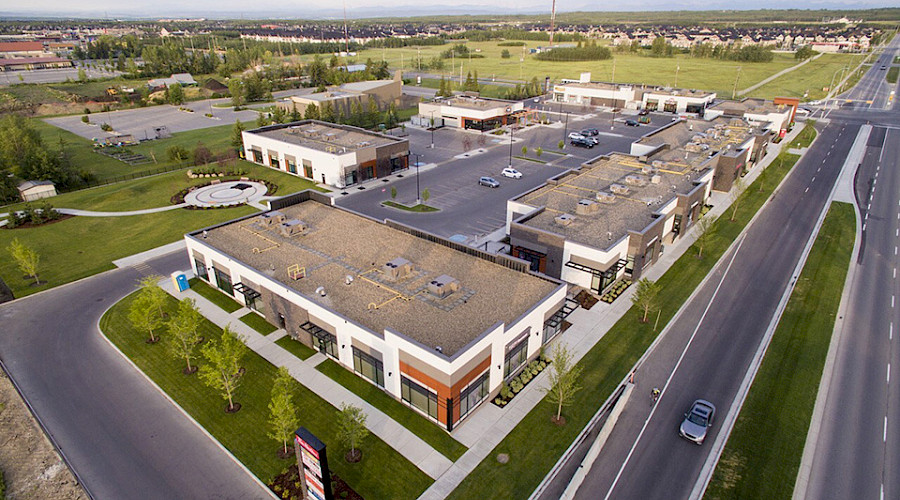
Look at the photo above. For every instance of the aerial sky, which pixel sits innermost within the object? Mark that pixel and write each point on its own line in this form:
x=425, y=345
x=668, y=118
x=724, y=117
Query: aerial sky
x=315, y=9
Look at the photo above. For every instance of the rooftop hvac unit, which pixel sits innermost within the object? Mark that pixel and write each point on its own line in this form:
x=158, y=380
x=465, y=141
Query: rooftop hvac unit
x=271, y=218
x=635, y=180
x=398, y=268
x=656, y=179
x=605, y=197
x=443, y=285
x=619, y=189
x=648, y=170
x=564, y=220
x=586, y=207
x=292, y=227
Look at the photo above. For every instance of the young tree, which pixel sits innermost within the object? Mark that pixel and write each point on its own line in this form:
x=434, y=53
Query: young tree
x=295, y=115
x=524, y=150
x=149, y=286
x=706, y=229
x=184, y=335
x=352, y=430
x=262, y=119
x=737, y=188
x=26, y=258
x=237, y=139
x=236, y=89
x=282, y=412
x=563, y=379
x=144, y=316
x=393, y=192
x=311, y=112
x=425, y=195
x=278, y=115
x=222, y=370
x=645, y=296
x=175, y=94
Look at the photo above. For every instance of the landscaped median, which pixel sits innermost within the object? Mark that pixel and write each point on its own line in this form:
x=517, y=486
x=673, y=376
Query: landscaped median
x=382, y=473
x=608, y=362
x=763, y=453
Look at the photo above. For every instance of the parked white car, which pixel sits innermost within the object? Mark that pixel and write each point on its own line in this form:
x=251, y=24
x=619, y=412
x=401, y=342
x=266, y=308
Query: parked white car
x=511, y=173
x=575, y=136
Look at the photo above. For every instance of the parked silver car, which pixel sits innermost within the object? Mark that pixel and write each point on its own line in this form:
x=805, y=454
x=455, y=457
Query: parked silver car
x=489, y=182
x=697, y=421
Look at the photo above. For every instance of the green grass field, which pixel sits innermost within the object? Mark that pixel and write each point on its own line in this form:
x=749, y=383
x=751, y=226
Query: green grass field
x=606, y=364
x=382, y=473
x=813, y=78
x=762, y=455
x=696, y=73
x=428, y=431
x=213, y=295
x=81, y=246
x=295, y=347
x=892, y=73
x=258, y=323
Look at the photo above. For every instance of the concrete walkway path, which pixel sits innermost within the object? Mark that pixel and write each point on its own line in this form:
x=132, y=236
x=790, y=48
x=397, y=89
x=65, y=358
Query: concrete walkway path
x=91, y=213
x=413, y=448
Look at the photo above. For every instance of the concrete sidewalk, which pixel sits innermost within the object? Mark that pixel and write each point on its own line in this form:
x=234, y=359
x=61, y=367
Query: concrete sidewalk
x=420, y=453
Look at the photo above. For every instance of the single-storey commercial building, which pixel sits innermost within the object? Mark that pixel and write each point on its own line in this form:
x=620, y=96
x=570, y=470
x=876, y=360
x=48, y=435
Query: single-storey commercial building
x=435, y=324
x=182, y=79
x=470, y=112
x=629, y=96
x=758, y=112
x=35, y=190
x=22, y=49
x=337, y=155
x=383, y=92
x=32, y=63
x=726, y=145
x=607, y=220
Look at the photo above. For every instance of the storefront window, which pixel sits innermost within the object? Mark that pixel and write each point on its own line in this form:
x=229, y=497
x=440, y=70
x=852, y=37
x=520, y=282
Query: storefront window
x=473, y=394
x=515, y=357
x=223, y=281
x=419, y=396
x=202, y=272
x=368, y=367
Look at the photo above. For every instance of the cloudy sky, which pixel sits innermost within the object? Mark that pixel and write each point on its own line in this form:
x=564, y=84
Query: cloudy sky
x=369, y=8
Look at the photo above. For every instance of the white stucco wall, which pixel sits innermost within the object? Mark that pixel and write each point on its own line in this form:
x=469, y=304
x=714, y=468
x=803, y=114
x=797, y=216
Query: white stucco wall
x=332, y=165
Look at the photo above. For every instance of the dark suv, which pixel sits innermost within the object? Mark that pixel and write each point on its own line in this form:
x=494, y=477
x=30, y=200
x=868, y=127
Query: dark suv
x=590, y=132
x=584, y=142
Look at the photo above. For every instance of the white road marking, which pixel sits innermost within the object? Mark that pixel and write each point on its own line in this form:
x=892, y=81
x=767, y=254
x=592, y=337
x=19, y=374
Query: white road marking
x=813, y=179
x=892, y=300
x=823, y=162
x=885, y=429
x=898, y=232
x=895, y=250
x=891, y=331
x=888, y=373
x=864, y=225
x=806, y=190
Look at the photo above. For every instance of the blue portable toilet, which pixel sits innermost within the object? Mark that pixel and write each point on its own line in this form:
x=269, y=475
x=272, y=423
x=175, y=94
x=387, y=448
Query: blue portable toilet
x=179, y=279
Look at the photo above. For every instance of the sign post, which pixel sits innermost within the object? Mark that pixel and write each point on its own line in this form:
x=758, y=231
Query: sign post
x=312, y=463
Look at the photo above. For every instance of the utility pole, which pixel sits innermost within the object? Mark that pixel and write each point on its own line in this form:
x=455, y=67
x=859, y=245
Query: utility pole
x=511, y=130
x=736, y=78
x=418, y=196
x=677, y=67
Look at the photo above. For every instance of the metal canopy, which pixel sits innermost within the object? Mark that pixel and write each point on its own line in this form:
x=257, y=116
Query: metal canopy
x=246, y=291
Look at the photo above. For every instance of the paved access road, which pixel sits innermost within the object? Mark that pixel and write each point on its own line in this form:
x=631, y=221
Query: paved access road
x=121, y=437
x=718, y=333
x=859, y=439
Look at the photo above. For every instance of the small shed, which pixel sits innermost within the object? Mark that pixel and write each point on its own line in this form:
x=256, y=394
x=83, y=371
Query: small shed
x=35, y=190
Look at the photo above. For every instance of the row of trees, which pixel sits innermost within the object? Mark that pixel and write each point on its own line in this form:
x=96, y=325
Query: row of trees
x=222, y=368
x=589, y=52
x=25, y=156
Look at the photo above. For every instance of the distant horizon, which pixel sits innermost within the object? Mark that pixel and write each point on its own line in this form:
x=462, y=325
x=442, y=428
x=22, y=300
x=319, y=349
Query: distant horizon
x=363, y=9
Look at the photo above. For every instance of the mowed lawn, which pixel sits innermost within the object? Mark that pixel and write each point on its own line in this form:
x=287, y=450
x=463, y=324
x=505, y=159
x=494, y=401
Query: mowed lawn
x=695, y=73
x=813, y=78
x=763, y=453
x=81, y=246
x=382, y=474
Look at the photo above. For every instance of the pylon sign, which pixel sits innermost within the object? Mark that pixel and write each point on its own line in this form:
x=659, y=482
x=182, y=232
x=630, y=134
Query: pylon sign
x=313, y=462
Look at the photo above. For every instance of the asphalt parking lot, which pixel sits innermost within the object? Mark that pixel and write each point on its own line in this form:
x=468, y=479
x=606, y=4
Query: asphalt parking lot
x=469, y=211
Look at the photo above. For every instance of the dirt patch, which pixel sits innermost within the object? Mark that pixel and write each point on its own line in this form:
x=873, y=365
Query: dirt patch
x=30, y=465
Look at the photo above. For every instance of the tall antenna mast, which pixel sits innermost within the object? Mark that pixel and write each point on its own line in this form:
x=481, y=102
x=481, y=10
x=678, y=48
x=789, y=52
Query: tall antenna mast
x=552, y=21
x=346, y=36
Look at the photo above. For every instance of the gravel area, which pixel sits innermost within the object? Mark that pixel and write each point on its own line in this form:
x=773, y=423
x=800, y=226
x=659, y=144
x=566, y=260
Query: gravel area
x=30, y=465
x=338, y=244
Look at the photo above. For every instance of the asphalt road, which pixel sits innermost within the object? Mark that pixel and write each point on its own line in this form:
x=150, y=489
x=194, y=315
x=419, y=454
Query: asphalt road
x=52, y=75
x=121, y=437
x=718, y=333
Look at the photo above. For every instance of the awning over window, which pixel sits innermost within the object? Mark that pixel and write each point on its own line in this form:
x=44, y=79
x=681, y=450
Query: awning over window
x=246, y=291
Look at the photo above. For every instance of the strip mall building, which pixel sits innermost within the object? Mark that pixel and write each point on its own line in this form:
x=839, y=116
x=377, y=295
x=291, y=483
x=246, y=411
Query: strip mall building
x=435, y=324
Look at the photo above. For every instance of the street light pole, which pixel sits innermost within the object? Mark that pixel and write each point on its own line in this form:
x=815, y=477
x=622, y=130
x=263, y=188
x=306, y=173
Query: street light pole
x=418, y=197
x=511, y=130
x=566, y=127
x=432, y=130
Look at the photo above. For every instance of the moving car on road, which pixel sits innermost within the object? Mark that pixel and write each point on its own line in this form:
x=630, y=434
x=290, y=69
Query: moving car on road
x=697, y=421
x=511, y=173
x=489, y=182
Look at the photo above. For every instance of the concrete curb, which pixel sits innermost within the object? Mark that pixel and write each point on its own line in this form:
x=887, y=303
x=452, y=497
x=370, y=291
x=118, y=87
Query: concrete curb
x=176, y=405
x=801, y=486
x=594, y=452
